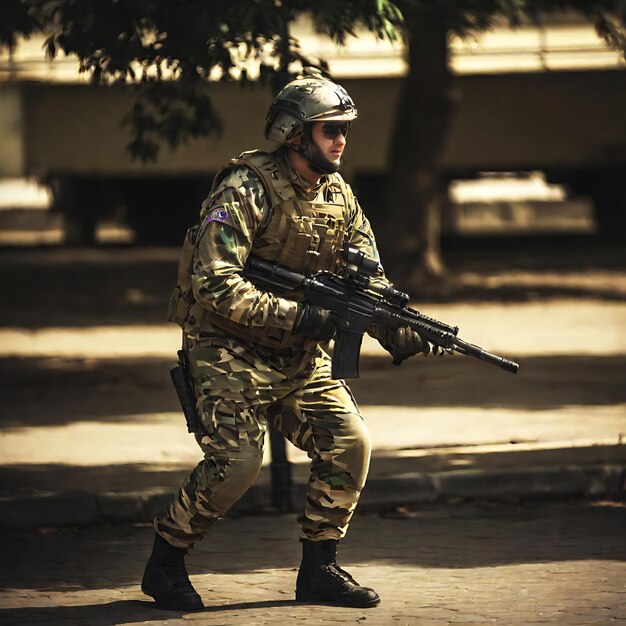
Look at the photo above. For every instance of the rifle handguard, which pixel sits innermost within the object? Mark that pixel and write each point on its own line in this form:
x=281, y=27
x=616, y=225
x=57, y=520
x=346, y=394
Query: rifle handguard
x=356, y=306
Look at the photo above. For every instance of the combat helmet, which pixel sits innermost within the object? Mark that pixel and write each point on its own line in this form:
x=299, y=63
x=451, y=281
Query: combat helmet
x=310, y=99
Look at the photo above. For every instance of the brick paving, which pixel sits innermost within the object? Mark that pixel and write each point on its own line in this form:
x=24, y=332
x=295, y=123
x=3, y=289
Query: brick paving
x=559, y=428
x=541, y=563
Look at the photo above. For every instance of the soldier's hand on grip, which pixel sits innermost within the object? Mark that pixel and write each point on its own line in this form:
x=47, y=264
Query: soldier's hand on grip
x=314, y=322
x=402, y=343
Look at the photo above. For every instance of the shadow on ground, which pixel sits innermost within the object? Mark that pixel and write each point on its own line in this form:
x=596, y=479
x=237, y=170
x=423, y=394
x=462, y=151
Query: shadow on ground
x=33, y=479
x=55, y=286
x=54, y=391
x=453, y=536
x=129, y=612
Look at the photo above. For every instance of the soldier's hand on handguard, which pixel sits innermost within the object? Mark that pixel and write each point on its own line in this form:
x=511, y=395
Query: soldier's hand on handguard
x=402, y=343
x=314, y=322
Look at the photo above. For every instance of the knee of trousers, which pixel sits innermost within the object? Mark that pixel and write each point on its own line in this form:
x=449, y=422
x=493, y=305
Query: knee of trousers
x=237, y=471
x=216, y=483
x=350, y=448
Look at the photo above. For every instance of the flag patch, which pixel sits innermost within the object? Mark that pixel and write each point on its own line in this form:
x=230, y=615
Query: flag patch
x=217, y=215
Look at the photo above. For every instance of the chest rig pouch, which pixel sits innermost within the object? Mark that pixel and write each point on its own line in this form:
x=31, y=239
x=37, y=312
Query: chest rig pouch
x=301, y=234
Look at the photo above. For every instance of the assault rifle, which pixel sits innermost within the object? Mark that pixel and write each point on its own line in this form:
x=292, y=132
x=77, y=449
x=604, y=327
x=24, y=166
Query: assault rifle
x=356, y=303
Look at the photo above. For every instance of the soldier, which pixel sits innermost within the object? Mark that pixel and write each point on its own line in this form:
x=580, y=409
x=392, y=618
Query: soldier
x=256, y=357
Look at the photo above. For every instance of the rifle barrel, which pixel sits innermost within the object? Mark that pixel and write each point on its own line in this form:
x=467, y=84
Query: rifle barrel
x=476, y=351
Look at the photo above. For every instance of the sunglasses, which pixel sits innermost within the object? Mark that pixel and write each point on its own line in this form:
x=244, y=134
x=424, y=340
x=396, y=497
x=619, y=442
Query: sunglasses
x=332, y=131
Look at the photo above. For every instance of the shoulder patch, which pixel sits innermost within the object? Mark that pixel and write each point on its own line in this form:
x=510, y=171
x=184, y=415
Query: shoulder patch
x=219, y=214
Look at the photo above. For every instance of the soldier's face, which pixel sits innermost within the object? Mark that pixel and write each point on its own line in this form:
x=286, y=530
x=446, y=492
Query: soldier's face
x=330, y=138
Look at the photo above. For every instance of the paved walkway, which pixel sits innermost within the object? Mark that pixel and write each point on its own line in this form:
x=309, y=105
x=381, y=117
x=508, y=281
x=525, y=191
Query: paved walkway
x=454, y=525
x=86, y=436
x=471, y=565
x=523, y=329
x=93, y=444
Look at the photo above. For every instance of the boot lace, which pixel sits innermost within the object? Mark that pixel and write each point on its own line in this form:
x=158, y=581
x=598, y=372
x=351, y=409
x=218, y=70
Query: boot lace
x=337, y=572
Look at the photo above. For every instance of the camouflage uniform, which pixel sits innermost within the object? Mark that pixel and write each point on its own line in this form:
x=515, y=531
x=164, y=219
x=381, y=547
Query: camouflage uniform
x=248, y=368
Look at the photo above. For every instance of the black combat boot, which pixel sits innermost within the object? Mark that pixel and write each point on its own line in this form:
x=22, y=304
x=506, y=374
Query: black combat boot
x=166, y=579
x=320, y=579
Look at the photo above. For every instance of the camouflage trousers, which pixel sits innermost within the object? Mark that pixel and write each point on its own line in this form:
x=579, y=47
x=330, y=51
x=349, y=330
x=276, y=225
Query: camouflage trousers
x=240, y=387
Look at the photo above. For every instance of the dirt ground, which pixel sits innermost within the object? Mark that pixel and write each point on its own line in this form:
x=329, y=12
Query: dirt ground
x=94, y=319
x=471, y=565
x=52, y=286
x=83, y=339
x=556, y=303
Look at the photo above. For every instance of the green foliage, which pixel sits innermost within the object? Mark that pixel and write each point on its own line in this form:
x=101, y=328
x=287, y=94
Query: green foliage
x=170, y=48
x=467, y=17
x=17, y=19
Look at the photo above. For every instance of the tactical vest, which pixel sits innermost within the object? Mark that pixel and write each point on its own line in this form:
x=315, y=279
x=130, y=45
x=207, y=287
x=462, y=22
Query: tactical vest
x=304, y=236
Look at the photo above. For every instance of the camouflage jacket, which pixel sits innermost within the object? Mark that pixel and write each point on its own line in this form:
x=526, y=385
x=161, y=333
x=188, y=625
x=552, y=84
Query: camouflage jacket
x=230, y=219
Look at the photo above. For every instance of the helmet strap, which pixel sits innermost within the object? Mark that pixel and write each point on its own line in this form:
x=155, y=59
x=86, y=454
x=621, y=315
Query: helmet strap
x=311, y=152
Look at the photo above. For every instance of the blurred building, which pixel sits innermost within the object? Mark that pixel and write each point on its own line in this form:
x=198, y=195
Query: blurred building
x=547, y=98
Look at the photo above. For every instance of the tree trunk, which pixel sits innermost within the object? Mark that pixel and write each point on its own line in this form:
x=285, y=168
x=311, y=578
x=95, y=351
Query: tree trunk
x=411, y=243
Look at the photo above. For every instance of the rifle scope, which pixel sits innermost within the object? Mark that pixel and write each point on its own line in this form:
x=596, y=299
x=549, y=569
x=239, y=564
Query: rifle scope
x=359, y=267
x=356, y=263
